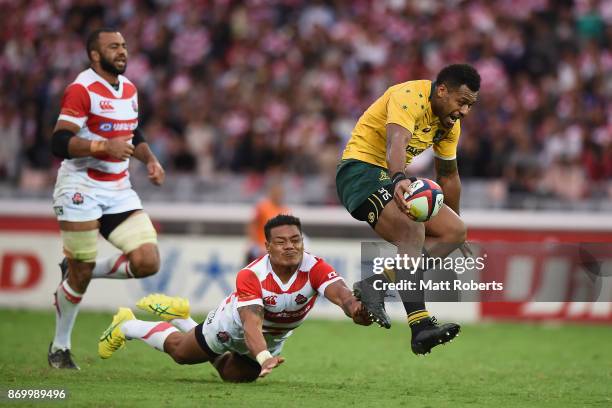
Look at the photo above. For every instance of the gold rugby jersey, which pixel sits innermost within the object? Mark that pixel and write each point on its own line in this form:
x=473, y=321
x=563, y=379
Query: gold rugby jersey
x=408, y=105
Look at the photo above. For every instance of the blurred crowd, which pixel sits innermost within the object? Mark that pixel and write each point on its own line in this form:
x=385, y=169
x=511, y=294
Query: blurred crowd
x=261, y=86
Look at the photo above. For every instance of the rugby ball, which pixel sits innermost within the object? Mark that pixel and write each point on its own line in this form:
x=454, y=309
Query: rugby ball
x=424, y=199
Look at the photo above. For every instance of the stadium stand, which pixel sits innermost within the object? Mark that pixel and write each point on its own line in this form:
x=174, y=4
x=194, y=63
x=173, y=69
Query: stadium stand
x=238, y=90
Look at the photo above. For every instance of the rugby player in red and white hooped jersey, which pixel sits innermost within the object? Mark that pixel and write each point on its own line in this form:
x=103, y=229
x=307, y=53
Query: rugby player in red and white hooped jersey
x=96, y=134
x=243, y=337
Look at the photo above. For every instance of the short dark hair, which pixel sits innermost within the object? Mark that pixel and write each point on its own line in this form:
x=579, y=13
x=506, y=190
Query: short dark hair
x=453, y=76
x=92, y=38
x=279, y=220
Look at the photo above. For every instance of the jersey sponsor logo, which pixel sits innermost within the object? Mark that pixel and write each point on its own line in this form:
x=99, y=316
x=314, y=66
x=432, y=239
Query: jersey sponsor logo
x=415, y=151
x=301, y=299
x=383, y=176
x=270, y=300
x=118, y=127
x=106, y=105
x=125, y=126
x=371, y=217
x=77, y=199
x=427, y=130
x=287, y=314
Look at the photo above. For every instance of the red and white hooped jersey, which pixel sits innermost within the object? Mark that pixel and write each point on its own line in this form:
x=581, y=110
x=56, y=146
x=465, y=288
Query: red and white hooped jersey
x=286, y=305
x=102, y=113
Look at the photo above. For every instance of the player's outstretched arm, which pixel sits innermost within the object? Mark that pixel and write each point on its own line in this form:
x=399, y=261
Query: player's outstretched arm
x=342, y=296
x=252, y=322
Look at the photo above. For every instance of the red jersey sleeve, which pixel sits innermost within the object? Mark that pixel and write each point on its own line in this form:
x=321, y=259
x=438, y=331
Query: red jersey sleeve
x=322, y=275
x=248, y=288
x=75, y=105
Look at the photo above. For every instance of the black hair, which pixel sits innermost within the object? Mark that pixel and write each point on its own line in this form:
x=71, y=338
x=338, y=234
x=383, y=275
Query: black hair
x=279, y=220
x=453, y=76
x=92, y=39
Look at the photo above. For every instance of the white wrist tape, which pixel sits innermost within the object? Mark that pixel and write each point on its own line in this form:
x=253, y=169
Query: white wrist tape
x=263, y=356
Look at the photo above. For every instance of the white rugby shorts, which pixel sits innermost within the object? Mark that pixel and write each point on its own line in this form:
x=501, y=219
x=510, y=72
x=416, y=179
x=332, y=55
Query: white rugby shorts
x=78, y=198
x=223, y=334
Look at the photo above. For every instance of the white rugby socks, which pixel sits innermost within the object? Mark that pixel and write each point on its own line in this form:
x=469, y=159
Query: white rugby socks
x=67, y=302
x=184, y=325
x=152, y=333
x=112, y=267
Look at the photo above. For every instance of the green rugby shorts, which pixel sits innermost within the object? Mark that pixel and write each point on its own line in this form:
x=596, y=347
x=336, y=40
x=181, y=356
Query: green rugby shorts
x=363, y=189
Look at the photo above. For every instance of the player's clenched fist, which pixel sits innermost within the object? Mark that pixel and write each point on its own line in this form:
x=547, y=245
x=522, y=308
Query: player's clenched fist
x=119, y=148
x=269, y=364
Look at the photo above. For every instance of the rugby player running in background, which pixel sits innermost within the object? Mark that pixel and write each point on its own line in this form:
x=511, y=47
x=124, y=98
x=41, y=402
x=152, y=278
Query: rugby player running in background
x=96, y=134
x=244, y=336
x=371, y=181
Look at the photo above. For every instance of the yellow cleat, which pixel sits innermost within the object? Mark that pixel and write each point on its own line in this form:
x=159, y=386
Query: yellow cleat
x=113, y=338
x=165, y=306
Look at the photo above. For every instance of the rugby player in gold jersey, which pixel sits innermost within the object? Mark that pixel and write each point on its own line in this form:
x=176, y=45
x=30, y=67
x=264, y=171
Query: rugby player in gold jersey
x=405, y=121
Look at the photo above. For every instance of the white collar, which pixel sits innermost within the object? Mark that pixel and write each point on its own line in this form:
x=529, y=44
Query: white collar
x=284, y=286
x=116, y=92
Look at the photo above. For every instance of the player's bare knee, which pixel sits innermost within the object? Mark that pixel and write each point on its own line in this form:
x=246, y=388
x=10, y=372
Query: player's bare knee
x=456, y=233
x=145, y=267
x=412, y=228
x=409, y=231
x=395, y=226
x=144, y=261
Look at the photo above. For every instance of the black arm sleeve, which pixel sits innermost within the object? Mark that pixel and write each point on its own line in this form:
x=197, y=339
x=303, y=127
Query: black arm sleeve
x=59, y=143
x=138, y=137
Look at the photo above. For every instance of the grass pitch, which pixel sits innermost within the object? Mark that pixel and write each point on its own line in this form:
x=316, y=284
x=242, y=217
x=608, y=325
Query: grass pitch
x=328, y=364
